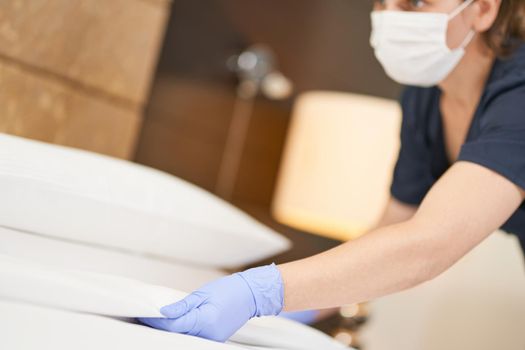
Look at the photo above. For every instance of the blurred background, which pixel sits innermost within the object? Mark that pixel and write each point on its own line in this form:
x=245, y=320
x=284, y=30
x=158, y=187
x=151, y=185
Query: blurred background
x=215, y=92
x=317, y=45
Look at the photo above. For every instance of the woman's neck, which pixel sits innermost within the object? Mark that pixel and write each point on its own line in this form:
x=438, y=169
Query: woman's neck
x=466, y=83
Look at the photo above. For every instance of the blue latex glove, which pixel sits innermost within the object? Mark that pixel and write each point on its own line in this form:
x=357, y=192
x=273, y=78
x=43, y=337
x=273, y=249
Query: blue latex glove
x=217, y=310
x=305, y=317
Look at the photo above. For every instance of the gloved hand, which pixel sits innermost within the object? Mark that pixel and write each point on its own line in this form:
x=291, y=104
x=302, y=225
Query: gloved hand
x=217, y=310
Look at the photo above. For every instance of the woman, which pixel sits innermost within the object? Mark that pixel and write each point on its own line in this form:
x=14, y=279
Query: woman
x=459, y=177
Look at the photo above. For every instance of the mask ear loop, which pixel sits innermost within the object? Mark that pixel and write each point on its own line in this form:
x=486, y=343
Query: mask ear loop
x=468, y=39
x=460, y=9
x=456, y=12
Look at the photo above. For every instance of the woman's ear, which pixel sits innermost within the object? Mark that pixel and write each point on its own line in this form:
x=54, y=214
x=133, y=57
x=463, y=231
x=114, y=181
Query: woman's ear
x=487, y=12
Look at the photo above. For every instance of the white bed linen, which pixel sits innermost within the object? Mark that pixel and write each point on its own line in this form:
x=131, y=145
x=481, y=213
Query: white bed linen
x=81, y=196
x=61, y=254
x=121, y=297
x=29, y=327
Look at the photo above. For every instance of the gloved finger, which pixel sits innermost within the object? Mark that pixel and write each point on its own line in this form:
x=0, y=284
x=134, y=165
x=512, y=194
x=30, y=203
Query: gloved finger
x=158, y=323
x=182, y=307
x=184, y=324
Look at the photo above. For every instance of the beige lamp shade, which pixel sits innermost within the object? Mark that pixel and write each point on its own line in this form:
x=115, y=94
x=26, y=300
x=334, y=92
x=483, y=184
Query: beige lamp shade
x=338, y=163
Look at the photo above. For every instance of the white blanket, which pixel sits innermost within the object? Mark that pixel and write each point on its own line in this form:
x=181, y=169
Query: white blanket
x=108, y=295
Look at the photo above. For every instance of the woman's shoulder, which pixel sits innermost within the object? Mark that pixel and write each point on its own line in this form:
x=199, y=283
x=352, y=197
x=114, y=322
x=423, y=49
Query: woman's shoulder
x=507, y=79
x=503, y=103
x=510, y=67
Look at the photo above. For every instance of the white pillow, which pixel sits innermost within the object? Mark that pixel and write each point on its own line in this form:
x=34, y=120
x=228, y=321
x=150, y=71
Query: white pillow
x=85, y=197
x=115, y=296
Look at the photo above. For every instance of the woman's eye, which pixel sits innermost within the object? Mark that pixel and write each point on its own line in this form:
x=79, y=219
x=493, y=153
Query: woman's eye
x=407, y=5
x=417, y=3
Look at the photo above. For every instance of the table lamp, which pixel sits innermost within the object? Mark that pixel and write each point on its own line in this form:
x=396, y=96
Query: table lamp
x=338, y=162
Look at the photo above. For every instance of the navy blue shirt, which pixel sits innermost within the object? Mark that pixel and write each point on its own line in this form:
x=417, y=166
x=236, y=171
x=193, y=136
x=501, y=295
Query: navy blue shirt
x=495, y=140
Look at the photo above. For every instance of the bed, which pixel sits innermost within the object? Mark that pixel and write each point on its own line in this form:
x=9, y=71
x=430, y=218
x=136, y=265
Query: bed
x=88, y=243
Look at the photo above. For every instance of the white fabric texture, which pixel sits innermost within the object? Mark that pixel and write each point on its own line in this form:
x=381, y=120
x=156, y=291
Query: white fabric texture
x=114, y=296
x=28, y=327
x=44, y=250
x=85, y=197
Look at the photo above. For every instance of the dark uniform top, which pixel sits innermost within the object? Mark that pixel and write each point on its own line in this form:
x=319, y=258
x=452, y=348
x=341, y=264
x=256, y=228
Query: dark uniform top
x=495, y=140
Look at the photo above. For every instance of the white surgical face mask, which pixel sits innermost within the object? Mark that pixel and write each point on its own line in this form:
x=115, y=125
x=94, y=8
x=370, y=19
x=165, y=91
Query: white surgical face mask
x=412, y=46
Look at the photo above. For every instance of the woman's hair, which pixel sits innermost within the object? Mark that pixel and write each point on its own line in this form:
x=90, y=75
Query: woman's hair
x=508, y=31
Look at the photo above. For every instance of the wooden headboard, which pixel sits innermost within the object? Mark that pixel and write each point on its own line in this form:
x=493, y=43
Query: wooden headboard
x=78, y=73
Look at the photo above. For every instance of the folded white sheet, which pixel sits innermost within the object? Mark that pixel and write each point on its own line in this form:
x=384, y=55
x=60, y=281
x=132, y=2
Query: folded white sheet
x=29, y=327
x=48, y=251
x=121, y=297
x=86, y=197
x=82, y=291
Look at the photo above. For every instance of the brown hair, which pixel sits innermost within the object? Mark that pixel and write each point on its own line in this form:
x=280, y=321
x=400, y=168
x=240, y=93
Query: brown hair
x=508, y=31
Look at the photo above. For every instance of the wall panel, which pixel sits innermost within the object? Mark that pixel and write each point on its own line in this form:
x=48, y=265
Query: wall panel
x=48, y=110
x=78, y=73
x=107, y=45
